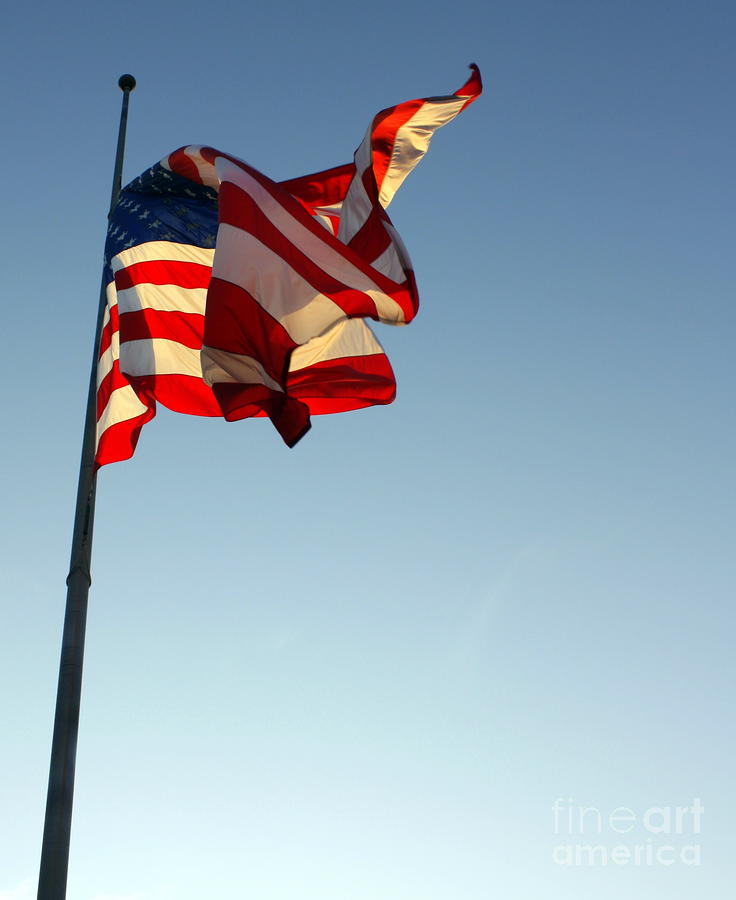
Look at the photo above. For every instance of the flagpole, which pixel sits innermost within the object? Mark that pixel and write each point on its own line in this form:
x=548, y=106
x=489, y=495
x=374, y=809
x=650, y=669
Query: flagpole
x=57, y=823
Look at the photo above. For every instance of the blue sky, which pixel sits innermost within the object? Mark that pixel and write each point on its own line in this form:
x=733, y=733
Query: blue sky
x=369, y=666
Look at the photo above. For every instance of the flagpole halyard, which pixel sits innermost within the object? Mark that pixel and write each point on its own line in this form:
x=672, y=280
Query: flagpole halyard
x=57, y=823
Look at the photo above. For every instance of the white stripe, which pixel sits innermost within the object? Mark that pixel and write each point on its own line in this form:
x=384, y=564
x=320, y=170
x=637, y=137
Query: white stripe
x=112, y=299
x=107, y=360
x=334, y=209
x=355, y=209
x=398, y=246
x=207, y=171
x=412, y=141
x=122, y=405
x=220, y=366
x=351, y=337
x=325, y=221
x=158, y=356
x=327, y=258
x=389, y=263
x=357, y=205
x=363, y=156
x=243, y=260
x=104, y=363
x=166, y=297
x=154, y=251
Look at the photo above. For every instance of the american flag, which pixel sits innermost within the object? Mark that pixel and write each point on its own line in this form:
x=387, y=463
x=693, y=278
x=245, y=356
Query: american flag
x=229, y=294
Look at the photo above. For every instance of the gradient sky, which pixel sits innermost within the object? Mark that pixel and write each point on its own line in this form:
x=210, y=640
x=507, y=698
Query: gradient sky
x=368, y=667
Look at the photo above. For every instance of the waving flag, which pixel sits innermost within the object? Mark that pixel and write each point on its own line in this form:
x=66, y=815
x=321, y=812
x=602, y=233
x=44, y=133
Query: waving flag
x=229, y=294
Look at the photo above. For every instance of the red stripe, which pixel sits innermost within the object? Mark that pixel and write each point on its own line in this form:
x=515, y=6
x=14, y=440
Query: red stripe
x=143, y=324
x=164, y=271
x=351, y=382
x=239, y=209
x=321, y=188
x=111, y=382
x=383, y=135
x=296, y=210
x=179, y=393
x=118, y=442
x=473, y=87
x=387, y=123
x=109, y=329
x=372, y=238
x=179, y=162
x=334, y=223
x=284, y=199
x=289, y=416
x=237, y=323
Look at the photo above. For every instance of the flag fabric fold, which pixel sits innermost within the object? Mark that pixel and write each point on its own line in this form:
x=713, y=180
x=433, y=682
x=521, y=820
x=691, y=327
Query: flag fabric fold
x=229, y=294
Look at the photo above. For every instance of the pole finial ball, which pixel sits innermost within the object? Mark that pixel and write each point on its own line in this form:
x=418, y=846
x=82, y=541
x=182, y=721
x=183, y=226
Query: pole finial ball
x=126, y=83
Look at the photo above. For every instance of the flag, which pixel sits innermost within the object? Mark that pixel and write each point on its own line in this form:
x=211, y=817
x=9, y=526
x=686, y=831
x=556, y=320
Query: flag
x=229, y=294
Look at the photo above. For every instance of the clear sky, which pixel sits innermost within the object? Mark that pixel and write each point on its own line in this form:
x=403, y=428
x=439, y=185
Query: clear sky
x=368, y=667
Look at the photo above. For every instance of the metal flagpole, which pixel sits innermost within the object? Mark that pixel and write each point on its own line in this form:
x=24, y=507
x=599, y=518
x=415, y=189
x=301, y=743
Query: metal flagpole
x=57, y=824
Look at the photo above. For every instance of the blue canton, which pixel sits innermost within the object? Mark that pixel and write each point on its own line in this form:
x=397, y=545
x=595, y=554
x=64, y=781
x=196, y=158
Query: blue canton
x=160, y=205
